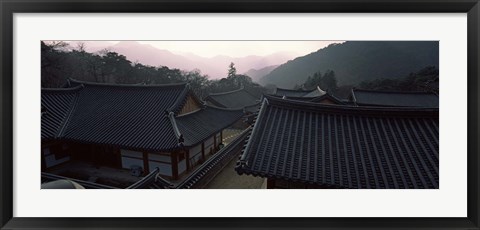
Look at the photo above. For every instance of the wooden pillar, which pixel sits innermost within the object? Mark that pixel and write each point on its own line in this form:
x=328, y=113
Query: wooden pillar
x=174, y=160
x=44, y=164
x=203, y=151
x=90, y=155
x=187, y=159
x=214, y=142
x=146, y=167
x=221, y=135
x=119, y=157
x=270, y=183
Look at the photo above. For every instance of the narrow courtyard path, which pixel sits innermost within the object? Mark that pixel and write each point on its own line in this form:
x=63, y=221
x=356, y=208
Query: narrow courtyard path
x=229, y=179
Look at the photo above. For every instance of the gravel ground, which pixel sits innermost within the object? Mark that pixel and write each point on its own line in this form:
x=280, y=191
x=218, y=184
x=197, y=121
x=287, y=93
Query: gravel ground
x=229, y=179
x=230, y=134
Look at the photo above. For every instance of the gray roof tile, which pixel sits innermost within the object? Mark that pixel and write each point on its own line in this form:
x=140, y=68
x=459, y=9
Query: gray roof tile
x=128, y=116
x=57, y=105
x=198, y=126
x=237, y=99
x=299, y=93
x=397, y=99
x=344, y=146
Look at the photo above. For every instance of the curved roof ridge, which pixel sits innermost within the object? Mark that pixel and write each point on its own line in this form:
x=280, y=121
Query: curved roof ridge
x=63, y=90
x=182, y=99
x=139, y=85
x=211, y=107
x=391, y=91
x=292, y=97
x=252, y=105
x=321, y=90
x=297, y=90
x=224, y=109
x=241, y=160
x=66, y=121
x=229, y=92
x=328, y=96
x=344, y=108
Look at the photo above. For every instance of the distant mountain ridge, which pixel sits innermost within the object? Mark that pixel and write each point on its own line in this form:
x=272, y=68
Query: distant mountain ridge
x=257, y=74
x=357, y=61
x=216, y=67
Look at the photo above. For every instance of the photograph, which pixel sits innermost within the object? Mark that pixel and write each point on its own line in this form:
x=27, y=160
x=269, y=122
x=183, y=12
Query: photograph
x=240, y=115
x=233, y=114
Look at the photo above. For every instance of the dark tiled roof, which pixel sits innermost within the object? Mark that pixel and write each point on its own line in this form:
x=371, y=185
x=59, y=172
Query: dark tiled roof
x=139, y=117
x=329, y=97
x=344, y=146
x=125, y=116
x=198, y=126
x=313, y=99
x=207, y=171
x=152, y=181
x=299, y=93
x=294, y=98
x=57, y=105
x=390, y=98
x=252, y=108
x=237, y=99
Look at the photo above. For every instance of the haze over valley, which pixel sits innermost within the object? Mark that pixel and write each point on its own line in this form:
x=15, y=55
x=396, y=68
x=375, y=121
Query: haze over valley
x=218, y=66
x=214, y=65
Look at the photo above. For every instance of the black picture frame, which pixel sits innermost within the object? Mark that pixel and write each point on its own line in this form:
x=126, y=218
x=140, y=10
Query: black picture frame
x=9, y=7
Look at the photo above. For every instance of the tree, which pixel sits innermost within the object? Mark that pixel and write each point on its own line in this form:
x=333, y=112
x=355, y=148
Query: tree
x=197, y=81
x=116, y=68
x=424, y=80
x=232, y=71
x=243, y=80
x=60, y=63
x=53, y=63
x=313, y=81
x=329, y=82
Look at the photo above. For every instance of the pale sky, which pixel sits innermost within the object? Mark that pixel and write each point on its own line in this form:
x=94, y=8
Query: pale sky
x=239, y=48
x=233, y=48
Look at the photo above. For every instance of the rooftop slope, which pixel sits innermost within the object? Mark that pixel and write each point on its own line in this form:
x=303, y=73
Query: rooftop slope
x=343, y=146
x=390, y=98
x=200, y=125
x=57, y=105
x=139, y=117
x=237, y=99
x=299, y=93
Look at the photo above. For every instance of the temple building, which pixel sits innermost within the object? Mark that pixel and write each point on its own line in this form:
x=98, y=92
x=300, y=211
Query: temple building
x=361, y=97
x=326, y=98
x=297, y=144
x=300, y=93
x=131, y=127
x=248, y=100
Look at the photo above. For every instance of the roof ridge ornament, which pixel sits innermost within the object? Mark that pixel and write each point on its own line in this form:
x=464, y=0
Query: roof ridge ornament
x=171, y=116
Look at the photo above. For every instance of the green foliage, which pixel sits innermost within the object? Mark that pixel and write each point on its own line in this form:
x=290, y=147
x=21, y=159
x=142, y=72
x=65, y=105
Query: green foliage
x=60, y=63
x=327, y=81
x=357, y=61
x=424, y=80
x=232, y=71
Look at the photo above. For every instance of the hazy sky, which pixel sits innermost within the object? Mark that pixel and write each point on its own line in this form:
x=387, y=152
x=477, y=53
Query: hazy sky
x=233, y=48
x=239, y=48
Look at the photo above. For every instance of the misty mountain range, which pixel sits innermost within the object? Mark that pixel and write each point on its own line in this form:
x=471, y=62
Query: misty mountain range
x=216, y=67
x=357, y=61
x=257, y=74
x=352, y=61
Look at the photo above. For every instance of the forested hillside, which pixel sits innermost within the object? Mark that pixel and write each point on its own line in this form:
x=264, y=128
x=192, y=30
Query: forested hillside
x=357, y=61
x=257, y=74
x=58, y=64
